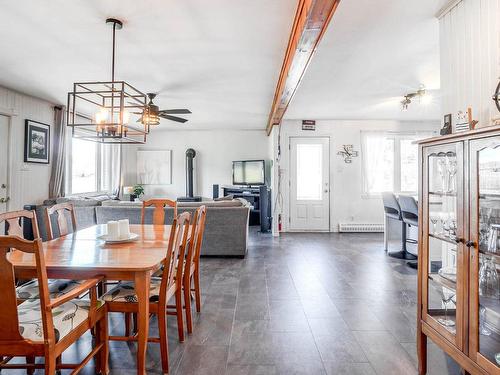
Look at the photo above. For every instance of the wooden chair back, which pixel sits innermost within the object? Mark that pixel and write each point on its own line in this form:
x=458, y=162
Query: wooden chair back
x=62, y=223
x=159, y=212
x=13, y=221
x=173, y=264
x=9, y=329
x=194, y=248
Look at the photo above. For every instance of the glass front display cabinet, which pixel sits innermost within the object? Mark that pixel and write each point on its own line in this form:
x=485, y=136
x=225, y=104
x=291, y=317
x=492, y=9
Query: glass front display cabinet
x=459, y=249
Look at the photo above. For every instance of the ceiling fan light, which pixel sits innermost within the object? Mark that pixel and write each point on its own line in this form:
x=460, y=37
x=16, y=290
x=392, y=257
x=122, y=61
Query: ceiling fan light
x=150, y=117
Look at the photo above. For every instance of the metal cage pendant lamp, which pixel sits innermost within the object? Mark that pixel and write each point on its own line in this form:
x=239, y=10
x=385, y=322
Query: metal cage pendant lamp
x=103, y=111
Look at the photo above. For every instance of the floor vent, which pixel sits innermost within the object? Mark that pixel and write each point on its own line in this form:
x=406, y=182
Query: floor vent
x=359, y=228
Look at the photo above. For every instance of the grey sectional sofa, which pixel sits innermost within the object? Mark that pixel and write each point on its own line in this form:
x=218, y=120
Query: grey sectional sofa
x=226, y=227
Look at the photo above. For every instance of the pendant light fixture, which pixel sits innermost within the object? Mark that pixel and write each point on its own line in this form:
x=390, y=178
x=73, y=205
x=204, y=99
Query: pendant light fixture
x=102, y=111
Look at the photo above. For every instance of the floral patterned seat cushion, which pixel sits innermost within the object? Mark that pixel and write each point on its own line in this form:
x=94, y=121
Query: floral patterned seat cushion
x=124, y=291
x=66, y=317
x=57, y=288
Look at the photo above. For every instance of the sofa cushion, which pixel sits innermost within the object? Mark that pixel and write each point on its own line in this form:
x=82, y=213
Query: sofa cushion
x=225, y=198
x=223, y=203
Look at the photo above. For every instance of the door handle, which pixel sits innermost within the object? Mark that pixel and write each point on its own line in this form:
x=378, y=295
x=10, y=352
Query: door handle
x=470, y=243
x=459, y=240
x=3, y=186
x=4, y=200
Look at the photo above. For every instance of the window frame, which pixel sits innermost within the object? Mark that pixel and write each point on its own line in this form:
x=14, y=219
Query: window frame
x=397, y=137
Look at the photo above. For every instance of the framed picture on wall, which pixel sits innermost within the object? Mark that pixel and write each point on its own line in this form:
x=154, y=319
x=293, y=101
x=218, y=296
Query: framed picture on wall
x=154, y=167
x=36, y=142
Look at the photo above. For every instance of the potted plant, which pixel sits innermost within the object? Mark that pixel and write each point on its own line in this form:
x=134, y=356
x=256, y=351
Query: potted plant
x=138, y=190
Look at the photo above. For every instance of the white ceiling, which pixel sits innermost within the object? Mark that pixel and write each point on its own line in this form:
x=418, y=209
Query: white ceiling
x=221, y=58
x=371, y=55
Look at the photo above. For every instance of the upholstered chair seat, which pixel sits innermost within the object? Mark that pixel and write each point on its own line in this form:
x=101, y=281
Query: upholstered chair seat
x=65, y=317
x=57, y=288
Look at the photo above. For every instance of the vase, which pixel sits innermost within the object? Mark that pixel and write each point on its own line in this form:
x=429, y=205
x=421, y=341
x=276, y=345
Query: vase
x=489, y=286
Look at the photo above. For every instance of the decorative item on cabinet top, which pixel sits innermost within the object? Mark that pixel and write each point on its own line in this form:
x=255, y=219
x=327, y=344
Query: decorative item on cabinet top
x=447, y=127
x=496, y=97
x=465, y=122
x=348, y=153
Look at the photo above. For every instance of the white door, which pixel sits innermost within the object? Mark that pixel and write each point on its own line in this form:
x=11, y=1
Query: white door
x=4, y=166
x=310, y=184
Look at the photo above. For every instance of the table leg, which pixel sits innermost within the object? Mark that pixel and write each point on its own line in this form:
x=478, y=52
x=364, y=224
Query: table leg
x=142, y=283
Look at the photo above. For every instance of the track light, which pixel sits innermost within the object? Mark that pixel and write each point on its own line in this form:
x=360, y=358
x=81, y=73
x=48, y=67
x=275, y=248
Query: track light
x=421, y=94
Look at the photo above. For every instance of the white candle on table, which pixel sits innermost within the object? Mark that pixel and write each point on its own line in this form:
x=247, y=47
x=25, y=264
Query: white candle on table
x=124, y=228
x=113, y=229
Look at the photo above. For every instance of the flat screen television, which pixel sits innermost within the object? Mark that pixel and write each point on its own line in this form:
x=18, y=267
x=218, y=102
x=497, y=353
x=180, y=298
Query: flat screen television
x=249, y=172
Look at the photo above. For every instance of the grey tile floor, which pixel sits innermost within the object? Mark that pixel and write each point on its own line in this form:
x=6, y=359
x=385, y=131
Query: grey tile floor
x=300, y=304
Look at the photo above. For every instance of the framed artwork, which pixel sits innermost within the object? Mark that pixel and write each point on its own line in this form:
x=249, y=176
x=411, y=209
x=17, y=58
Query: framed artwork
x=154, y=167
x=36, y=142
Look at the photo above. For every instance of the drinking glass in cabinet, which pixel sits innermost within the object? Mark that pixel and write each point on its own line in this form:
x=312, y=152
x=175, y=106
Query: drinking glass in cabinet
x=451, y=164
x=441, y=165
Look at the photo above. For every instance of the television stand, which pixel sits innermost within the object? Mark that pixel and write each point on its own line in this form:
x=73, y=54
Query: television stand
x=260, y=199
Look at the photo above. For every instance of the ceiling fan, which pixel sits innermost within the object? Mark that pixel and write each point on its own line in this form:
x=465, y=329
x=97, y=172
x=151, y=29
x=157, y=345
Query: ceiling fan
x=152, y=113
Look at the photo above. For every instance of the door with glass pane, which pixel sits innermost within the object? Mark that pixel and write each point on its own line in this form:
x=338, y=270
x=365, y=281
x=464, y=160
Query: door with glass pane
x=310, y=184
x=484, y=253
x=442, y=241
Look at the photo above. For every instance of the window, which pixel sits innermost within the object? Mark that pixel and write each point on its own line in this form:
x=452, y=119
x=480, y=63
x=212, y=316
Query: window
x=92, y=167
x=309, y=171
x=83, y=166
x=390, y=162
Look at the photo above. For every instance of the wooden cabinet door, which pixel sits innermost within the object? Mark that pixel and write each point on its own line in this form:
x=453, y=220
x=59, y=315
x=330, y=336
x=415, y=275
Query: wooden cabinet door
x=484, y=253
x=444, y=275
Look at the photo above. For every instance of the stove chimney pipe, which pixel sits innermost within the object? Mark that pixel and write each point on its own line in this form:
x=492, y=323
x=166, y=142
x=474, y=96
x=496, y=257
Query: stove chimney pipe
x=190, y=155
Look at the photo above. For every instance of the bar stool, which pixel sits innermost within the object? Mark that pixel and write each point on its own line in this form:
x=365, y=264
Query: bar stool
x=409, y=214
x=393, y=211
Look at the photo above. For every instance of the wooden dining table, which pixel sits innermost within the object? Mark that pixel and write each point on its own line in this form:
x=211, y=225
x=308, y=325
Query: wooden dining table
x=82, y=255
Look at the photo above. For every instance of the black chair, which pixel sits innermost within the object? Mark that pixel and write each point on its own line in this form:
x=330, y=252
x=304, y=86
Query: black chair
x=409, y=214
x=393, y=212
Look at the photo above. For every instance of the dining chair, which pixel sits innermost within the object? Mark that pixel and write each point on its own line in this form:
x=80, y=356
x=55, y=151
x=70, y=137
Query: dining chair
x=159, y=210
x=62, y=210
x=191, y=273
x=14, y=222
x=393, y=211
x=46, y=327
x=409, y=215
x=30, y=289
x=123, y=298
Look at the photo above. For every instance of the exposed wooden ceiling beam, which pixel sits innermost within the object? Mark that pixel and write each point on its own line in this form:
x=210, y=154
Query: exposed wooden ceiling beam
x=311, y=20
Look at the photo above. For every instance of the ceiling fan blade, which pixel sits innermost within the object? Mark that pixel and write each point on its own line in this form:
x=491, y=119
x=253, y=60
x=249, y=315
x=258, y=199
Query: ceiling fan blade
x=136, y=113
x=173, y=118
x=176, y=111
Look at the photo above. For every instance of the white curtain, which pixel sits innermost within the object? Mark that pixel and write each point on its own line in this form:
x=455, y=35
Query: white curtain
x=116, y=171
x=111, y=168
x=374, y=160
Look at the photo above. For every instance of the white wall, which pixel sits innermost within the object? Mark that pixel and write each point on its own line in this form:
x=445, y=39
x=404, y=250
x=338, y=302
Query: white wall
x=29, y=183
x=470, y=57
x=215, y=150
x=347, y=203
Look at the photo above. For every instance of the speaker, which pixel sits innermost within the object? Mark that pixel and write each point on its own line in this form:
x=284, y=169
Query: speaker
x=215, y=191
x=265, y=208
